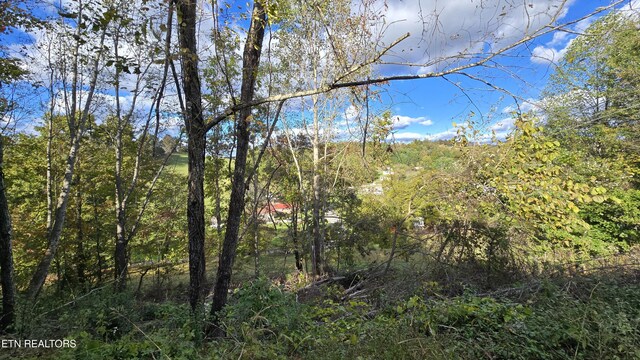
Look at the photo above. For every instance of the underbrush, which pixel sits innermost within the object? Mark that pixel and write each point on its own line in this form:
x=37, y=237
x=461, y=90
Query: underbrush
x=595, y=317
x=586, y=319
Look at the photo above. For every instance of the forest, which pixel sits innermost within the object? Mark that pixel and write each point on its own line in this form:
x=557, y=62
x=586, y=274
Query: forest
x=187, y=179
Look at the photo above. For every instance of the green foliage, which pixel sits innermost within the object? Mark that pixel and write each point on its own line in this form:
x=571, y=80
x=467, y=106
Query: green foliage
x=590, y=116
x=569, y=183
x=555, y=325
x=616, y=221
x=108, y=325
x=423, y=154
x=12, y=15
x=24, y=175
x=534, y=185
x=268, y=320
x=263, y=307
x=178, y=163
x=598, y=323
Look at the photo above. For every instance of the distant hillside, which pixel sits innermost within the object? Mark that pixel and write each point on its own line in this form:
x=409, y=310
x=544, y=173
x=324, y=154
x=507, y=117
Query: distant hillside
x=179, y=163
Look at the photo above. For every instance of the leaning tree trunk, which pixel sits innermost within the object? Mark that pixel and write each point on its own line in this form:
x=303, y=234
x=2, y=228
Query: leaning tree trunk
x=97, y=235
x=194, y=124
x=80, y=255
x=6, y=256
x=53, y=237
x=60, y=213
x=250, y=61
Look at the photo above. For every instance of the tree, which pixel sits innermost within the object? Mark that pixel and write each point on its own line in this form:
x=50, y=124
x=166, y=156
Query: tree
x=11, y=15
x=77, y=123
x=196, y=131
x=592, y=93
x=6, y=254
x=591, y=110
x=290, y=152
x=325, y=41
x=250, y=64
x=459, y=64
x=125, y=30
x=168, y=143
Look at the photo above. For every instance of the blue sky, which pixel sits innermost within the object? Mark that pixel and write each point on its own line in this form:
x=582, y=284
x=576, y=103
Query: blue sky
x=442, y=103
x=426, y=108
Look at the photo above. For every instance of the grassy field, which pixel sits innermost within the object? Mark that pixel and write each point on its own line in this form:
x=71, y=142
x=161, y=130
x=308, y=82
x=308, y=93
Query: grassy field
x=178, y=163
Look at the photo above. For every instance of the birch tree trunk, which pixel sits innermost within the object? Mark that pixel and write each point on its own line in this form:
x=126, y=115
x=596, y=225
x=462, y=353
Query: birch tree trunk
x=76, y=130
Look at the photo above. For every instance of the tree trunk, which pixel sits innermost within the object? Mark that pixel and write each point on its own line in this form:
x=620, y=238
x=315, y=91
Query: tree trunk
x=76, y=129
x=6, y=255
x=120, y=255
x=80, y=256
x=97, y=235
x=250, y=61
x=256, y=227
x=295, y=213
x=294, y=223
x=317, y=264
x=217, y=201
x=49, y=165
x=53, y=237
x=394, y=243
x=194, y=124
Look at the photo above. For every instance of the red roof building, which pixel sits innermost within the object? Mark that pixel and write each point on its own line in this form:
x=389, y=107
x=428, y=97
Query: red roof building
x=273, y=209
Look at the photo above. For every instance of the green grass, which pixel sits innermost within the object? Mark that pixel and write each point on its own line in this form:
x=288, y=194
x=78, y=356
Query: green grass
x=179, y=163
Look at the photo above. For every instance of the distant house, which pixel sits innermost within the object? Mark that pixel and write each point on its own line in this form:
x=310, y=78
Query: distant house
x=418, y=223
x=373, y=188
x=332, y=217
x=276, y=209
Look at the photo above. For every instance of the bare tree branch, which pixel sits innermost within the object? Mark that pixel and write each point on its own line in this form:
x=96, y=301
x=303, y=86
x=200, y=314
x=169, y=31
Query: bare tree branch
x=338, y=83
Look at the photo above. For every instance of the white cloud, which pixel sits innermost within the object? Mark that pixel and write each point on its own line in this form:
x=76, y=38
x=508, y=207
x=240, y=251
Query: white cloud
x=542, y=54
x=444, y=135
x=407, y=136
x=449, y=32
x=351, y=112
x=632, y=6
x=558, y=38
x=503, y=125
x=554, y=50
x=528, y=105
x=501, y=129
x=401, y=121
